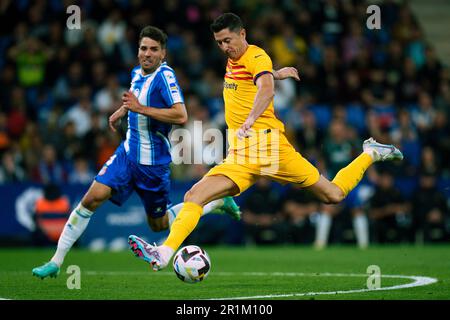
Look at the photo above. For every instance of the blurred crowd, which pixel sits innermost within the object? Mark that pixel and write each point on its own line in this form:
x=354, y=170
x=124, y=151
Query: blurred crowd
x=59, y=87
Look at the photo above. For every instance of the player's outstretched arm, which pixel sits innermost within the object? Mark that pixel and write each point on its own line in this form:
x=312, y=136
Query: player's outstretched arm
x=264, y=95
x=176, y=114
x=286, y=72
x=116, y=116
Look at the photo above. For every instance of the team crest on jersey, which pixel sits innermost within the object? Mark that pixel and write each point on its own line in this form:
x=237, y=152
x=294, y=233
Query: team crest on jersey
x=136, y=92
x=169, y=77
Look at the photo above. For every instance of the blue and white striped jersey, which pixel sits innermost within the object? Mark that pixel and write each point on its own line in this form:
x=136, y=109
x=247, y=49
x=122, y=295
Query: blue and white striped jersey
x=147, y=139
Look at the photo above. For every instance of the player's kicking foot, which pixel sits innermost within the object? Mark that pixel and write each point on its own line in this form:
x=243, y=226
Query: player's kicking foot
x=229, y=207
x=381, y=152
x=147, y=252
x=50, y=269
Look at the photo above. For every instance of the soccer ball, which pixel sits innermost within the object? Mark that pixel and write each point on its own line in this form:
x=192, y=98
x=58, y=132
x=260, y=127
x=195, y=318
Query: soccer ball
x=191, y=264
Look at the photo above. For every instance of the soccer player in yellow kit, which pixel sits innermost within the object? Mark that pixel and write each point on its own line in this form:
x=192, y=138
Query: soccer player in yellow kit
x=258, y=146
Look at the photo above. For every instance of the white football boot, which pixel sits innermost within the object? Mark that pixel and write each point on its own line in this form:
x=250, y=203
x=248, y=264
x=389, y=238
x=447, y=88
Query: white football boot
x=381, y=152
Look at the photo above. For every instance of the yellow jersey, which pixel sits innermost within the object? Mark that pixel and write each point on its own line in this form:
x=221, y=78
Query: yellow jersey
x=239, y=91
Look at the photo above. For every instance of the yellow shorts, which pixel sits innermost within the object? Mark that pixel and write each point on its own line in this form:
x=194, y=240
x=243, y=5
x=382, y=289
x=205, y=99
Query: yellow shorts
x=276, y=160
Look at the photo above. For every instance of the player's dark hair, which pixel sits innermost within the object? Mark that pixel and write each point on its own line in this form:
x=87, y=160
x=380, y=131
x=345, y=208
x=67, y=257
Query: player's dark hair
x=155, y=34
x=227, y=20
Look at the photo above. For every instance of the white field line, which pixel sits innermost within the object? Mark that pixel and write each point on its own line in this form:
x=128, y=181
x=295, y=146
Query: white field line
x=417, y=281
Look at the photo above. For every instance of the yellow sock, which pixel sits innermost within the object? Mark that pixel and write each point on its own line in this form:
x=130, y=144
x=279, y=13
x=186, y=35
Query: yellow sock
x=347, y=178
x=183, y=225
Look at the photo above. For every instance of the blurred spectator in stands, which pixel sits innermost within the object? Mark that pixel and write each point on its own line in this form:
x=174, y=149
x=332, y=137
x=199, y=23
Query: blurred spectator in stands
x=98, y=77
x=405, y=135
x=261, y=214
x=194, y=60
x=309, y=136
x=423, y=116
x=286, y=46
x=429, y=162
x=405, y=25
x=127, y=49
x=332, y=20
x=51, y=212
x=408, y=87
x=284, y=97
x=430, y=209
x=109, y=98
x=10, y=171
x=31, y=57
x=300, y=210
x=356, y=203
x=443, y=97
x=316, y=48
x=99, y=126
x=393, y=65
x=430, y=73
x=4, y=136
x=69, y=83
x=351, y=88
x=438, y=137
x=31, y=145
x=111, y=32
x=67, y=143
x=7, y=83
x=202, y=142
x=380, y=98
x=81, y=172
x=210, y=90
x=17, y=116
x=416, y=47
x=329, y=74
x=353, y=42
x=50, y=170
x=80, y=113
x=106, y=144
x=389, y=211
x=339, y=148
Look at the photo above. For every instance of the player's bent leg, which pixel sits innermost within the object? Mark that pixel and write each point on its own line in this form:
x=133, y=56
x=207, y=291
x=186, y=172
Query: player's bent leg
x=206, y=190
x=96, y=195
x=326, y=191
x=211, y=188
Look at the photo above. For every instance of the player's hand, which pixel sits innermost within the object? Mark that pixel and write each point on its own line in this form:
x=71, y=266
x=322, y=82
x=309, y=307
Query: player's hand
x=244, y=130
x=130, y=102
x=114, y=119
x=287, y=72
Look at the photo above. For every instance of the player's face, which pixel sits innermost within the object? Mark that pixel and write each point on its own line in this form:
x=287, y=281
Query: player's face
x=231, y=43
x=150, y=54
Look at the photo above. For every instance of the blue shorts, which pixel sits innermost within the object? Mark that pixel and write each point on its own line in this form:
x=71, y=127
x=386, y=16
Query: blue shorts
x=152, y=183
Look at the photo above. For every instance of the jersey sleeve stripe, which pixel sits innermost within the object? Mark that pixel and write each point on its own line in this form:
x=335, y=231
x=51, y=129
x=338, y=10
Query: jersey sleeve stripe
x=242, y=72
x=260, y=74
x=238, y=78
x=167, y=89
x=235, y=67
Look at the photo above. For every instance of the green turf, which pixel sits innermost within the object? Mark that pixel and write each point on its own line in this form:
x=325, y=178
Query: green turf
x=236, y=272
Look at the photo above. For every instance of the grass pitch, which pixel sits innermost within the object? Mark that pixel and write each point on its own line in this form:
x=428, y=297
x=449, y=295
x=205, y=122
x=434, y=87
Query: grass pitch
x=250, y=272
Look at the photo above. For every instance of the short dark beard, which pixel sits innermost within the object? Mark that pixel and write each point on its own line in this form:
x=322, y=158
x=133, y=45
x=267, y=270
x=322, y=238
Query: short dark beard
x=150, y=70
